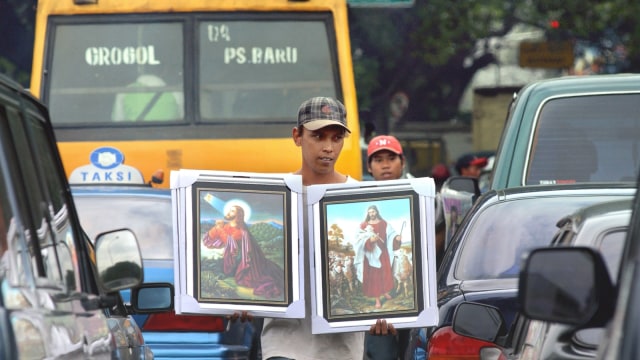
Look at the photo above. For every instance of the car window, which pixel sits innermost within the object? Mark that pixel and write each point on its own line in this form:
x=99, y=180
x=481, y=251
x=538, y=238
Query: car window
x=586, y=139
x=611, y=247
x=499, y=235
x=37, y=204
x=149, y=218
x=53, y=185
x=12, y=212
x=45, y=189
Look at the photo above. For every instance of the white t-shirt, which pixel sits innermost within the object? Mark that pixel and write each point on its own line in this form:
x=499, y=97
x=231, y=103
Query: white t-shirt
x=292, y=338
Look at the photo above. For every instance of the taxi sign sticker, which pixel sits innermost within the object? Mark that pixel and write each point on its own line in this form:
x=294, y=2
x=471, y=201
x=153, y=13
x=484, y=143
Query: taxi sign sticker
x=106, y=167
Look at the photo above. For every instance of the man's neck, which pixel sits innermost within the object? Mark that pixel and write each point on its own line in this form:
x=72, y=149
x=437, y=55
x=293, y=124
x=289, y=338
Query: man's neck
x=313, y=178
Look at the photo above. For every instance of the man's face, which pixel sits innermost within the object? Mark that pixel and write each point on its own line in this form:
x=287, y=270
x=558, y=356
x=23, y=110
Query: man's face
x=385, y=165
x=372, y=214
x=471, y=170
x=320, y=148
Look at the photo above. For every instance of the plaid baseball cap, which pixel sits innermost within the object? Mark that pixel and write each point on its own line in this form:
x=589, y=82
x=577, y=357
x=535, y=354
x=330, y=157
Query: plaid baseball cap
x=321, y=111
x=384, y=142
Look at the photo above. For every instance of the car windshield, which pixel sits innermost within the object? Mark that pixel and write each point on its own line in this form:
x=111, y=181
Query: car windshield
x=592, y=138
x=149, y=218
x=500, y=234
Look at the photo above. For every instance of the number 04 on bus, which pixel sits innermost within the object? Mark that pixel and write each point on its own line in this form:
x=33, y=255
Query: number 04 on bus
x=136, y=86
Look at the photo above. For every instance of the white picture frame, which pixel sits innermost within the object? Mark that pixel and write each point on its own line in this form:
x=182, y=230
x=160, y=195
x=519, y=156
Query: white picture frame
x=337, y=229
x=254, y=266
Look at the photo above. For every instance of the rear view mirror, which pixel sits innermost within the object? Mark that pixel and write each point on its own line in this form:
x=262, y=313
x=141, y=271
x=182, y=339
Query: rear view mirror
x=566, y=285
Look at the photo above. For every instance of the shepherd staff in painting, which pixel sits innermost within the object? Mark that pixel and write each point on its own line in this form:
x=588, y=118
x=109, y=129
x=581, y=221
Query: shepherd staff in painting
x=376, y=241
x=243, y=258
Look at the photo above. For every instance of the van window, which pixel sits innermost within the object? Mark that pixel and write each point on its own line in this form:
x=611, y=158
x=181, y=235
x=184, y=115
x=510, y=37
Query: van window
x=53, y=181
x=586, y=139
x=611, y=247
x=44, y=186
x=13, y=237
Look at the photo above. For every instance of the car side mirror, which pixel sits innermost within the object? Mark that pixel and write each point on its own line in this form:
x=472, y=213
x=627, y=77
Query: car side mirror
x=479, y=321
x=463, y=184
x=457, y=195
x=152, y=297
x=118, y=260
x=568, y=286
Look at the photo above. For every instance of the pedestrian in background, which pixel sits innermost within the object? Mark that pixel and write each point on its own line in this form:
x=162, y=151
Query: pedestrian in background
x=440, y=173
x=385, y=161
x=470, y=165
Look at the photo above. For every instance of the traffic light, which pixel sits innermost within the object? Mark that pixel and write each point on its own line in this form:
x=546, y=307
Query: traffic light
x=555, y=32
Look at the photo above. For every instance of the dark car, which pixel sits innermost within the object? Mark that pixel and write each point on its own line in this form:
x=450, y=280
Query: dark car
x=603, y=227
x=578, y=291
x=147, y=212
x=571, y=129
x=56, y=291
x=482, y=262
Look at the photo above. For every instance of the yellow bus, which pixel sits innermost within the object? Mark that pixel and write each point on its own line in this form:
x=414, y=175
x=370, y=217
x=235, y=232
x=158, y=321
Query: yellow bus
x=148, y=85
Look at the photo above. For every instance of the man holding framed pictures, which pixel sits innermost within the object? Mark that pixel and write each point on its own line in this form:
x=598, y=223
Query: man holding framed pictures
x=319, y=134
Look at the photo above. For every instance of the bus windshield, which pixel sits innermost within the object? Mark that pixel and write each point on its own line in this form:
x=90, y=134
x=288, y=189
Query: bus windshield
x=132, y=69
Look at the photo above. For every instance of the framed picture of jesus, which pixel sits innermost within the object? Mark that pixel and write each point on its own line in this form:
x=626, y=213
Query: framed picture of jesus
x=374, y=254
x=237, y=243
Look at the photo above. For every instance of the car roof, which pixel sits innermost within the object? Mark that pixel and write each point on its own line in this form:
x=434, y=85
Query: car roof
x=582, y=85
x=623, y=188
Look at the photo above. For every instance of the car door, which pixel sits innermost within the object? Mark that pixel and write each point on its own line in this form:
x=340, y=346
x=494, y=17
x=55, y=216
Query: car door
x=58, y=308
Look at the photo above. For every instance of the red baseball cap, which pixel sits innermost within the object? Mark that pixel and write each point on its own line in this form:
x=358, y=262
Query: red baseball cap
x=470, y=160
x=384, y=142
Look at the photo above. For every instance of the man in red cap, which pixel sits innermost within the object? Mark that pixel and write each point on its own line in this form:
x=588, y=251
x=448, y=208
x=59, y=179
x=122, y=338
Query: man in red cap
x=385, y=160
x=470, y=165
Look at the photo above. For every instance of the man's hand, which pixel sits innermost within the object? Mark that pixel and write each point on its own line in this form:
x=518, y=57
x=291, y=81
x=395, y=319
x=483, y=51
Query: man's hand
x=382, y=328
x=243, y=316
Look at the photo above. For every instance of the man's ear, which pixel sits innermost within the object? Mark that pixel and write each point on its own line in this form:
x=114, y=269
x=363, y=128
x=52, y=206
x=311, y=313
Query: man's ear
x=297, y=136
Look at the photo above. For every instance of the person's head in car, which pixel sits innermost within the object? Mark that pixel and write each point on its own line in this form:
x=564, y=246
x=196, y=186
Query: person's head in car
x=470, y=165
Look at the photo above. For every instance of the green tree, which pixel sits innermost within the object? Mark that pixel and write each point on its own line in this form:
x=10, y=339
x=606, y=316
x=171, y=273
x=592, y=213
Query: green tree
x=17, y=19
x=432, y=50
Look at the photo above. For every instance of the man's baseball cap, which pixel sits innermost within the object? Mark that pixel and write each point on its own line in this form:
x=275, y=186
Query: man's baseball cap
x=319, y=112
x=384, y=142
x=469, y=160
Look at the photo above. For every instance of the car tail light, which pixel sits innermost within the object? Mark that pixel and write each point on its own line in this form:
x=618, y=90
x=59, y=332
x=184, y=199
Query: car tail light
x=170, y=321
x=445, y=344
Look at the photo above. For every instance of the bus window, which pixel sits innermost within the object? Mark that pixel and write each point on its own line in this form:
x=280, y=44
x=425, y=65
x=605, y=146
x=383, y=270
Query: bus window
x=111, y=72
x=266, y=74
x=200, y=85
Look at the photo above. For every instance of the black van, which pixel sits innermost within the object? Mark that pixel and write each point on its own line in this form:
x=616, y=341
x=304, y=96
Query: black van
x=55, y=288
